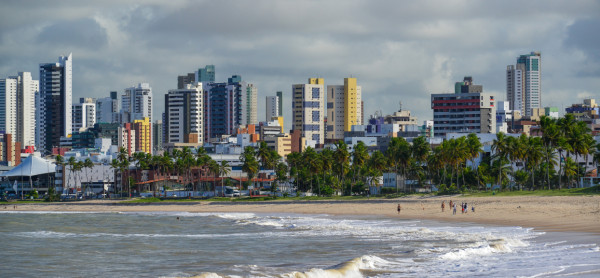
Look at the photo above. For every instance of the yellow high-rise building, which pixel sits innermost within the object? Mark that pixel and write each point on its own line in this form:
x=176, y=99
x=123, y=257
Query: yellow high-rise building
x=344, y=108
x=143, y=139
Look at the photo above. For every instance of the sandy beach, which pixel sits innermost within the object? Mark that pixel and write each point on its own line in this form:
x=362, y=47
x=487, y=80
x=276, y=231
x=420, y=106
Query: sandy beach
x=562, y=213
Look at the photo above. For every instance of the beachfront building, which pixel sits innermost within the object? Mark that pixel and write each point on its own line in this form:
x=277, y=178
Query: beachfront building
x=54, y=104
x=17, y=107
x=524, y=83
x=136, y=103
x=402, y=118
x=84, y=114
x=184, y=115
x=308, y=110
x=468, y=110
x=143, y=132
x=344, y=108
x=107, y=109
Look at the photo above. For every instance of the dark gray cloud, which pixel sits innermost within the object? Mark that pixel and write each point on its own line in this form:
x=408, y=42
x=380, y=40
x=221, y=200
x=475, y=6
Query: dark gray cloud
x=398, y=50
x=81, y=33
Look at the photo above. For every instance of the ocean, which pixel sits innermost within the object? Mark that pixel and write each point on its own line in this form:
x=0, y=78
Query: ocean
x=179, y=244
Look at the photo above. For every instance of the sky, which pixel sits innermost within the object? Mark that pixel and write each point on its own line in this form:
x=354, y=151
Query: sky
x=399, y=51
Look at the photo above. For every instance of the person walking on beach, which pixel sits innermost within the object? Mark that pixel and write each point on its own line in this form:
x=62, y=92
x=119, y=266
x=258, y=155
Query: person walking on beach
x=399, y=208
x=466, y=208
x=443, y=205
x=451, y=203
x=454, y=210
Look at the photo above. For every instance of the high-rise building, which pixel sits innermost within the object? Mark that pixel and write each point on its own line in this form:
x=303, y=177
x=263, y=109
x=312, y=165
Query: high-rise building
x=107, y=109
x=344, y=108
x=127, y=138
x=251, y=96
x=524, y=83
x=84, y=114
x=17, y=107
x=157, y=136
x=206, y=74
x=272, y=107
x=308, y=110
x=54, y=113
x=143, y=138
x=227, y=106
x=468, y=110
x=279, y=103
x=183, y=115
x=136, y=103
x=183, y=80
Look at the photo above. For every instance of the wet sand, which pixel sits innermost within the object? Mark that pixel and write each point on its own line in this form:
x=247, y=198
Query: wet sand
x=561, y=213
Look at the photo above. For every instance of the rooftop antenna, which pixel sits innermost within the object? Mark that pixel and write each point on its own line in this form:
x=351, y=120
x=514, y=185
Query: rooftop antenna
x=400, y=103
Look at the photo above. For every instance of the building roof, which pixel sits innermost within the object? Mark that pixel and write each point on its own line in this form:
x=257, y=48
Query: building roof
x=31, y=166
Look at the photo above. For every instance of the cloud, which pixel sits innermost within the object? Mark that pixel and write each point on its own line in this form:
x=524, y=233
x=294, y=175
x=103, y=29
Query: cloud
x=80, y=33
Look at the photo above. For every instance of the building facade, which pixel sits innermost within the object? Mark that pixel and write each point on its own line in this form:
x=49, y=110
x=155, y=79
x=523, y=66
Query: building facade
x=184, y=115
x=272, y=108
x=183, y=80
x=54, y=104
x=344, y=108
x=143, y=132
x=468, y=110
x=308, y=112
x=84, y=114
x=524, y=83
x=227, y=106
x=107, y=109
x=136, y=103
x=206, y=74
x=17, y=107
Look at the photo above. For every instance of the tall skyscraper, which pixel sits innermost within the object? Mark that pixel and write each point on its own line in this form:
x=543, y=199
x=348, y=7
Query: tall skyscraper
x=157, y=135
x=136, y=103
x=206, y=74
x=107, y=109
x=344, y=108
x=308, y=110
x=184, y=115
x=84, y=114
x=17, y=107
x=227, y=106
x=280, y=103
x=272, y=107
x=54, y=113
x=524, y=83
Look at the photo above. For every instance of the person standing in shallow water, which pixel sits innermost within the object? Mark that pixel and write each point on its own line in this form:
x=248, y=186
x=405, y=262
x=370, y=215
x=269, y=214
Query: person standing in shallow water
x=399, y=208
x=443, y=205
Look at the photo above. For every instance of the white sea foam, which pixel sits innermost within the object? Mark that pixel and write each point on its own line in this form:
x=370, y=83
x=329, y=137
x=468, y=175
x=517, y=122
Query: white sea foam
x=349, y=269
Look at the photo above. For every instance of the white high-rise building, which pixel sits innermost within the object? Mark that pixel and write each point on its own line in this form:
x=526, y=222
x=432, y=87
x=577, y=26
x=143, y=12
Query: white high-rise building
x=136, y=103
x=308, y=110
x=184, y=115
x=343, y=108
x=84, y=114
x=54, y=104
x=107, y=109
x=272, y=107
x=524, y=83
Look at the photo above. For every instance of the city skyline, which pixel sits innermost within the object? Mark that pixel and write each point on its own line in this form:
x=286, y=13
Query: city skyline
x=398, y=51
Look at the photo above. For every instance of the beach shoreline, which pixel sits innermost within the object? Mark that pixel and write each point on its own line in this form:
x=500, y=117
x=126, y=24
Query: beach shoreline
x=544, y=213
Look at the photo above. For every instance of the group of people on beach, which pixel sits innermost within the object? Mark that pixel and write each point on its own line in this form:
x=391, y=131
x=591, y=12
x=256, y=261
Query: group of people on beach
x=463, y=206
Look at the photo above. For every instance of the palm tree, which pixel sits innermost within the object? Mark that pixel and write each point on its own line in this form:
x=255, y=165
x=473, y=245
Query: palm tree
x=550, y=135
x=474, y=149
x=223, y=171
x=88, y=164
x=214, y=170
x=359, y=157
x=72, y=162
x=281, y=171
x=249, y=164
x=500, y=147
x=342, y=157
x=123, y=158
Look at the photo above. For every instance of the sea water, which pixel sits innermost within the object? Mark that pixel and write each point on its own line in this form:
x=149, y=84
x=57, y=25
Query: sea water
x=179, y=244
